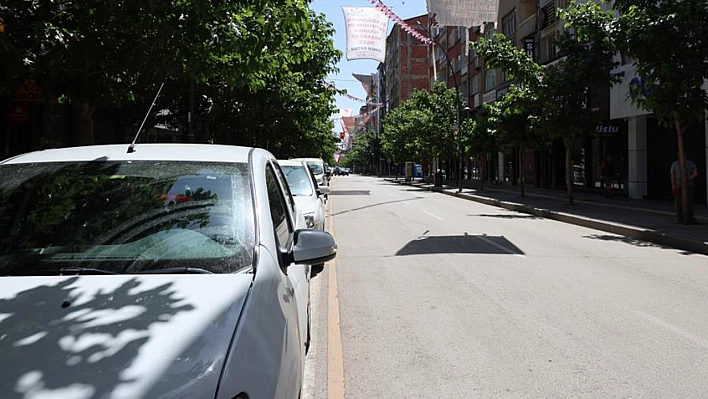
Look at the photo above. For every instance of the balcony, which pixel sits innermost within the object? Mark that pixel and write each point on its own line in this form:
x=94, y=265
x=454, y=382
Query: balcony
x=527, y=26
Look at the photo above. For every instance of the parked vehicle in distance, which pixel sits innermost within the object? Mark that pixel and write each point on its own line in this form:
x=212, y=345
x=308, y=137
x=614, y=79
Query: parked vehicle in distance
x=317, y=166
x=309, y=196
x=170, y=270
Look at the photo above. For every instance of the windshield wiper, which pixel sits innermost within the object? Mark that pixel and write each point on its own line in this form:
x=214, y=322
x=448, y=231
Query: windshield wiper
x=64, y=271
x=176, y=270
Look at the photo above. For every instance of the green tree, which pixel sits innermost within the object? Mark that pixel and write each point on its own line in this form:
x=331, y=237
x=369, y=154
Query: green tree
x=556, y=99
x=479, y=139
x=364, y=149
x=585, y=67
x=516, y=115
x=420, y=129
x=667, y=40
x=96, y=54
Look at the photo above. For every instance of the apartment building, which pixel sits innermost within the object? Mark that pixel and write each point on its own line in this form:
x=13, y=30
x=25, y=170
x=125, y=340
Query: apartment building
x=643, y=149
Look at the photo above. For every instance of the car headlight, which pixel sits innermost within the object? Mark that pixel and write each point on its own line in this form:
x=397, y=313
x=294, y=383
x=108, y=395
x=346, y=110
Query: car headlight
x=310, y=220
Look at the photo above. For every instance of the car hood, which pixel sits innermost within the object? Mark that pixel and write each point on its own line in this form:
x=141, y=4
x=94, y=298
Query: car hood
x=124, y=336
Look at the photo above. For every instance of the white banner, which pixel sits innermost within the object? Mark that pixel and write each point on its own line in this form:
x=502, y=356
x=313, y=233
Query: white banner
x=467, y=13
x=366, y=33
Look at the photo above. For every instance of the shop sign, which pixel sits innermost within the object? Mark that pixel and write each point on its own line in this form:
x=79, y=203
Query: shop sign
x=530, y=47
x=18, y=114
x=606, y=129
x=29, y=92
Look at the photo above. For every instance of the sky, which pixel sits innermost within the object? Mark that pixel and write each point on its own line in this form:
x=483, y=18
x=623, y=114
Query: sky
x=332, y=9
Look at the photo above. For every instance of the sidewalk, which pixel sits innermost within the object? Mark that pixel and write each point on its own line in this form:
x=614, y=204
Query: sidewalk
x=647, y=220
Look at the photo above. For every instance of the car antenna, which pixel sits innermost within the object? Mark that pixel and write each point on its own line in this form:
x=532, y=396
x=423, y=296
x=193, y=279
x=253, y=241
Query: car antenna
x=131, y=147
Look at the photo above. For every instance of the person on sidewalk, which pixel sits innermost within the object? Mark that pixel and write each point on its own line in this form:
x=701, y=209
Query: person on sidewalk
x=692, y=173
x=608, y=171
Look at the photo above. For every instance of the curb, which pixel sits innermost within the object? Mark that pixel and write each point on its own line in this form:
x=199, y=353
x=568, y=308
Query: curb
x=615, y=228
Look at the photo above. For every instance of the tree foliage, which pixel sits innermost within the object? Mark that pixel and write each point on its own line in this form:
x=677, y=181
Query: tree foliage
x=420, y=128
x=256, y=65
x=364, y=149
x=516, y=116
x=553, y=102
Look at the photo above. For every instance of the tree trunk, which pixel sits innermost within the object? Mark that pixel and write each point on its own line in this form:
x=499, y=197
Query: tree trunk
x=481, y=169
x=569, y=168
x=84, y=123
x=522, y=179
x=685, y=201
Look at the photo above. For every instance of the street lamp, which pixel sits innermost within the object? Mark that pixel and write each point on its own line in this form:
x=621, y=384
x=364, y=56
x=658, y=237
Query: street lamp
x=458, y=103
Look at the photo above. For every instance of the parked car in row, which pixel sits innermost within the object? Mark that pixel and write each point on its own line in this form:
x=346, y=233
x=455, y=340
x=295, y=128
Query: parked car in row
x=317, y=166
x=159, y=271
x=309, y=196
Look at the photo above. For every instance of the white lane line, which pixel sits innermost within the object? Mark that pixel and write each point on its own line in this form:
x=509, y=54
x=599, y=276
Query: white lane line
x=432, y=215
x=673, y=328
x=503, y=248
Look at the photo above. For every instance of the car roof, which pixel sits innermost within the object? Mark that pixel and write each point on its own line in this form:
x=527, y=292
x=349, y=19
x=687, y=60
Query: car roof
x=291, y=162
x=142, y=152
x=308, y=159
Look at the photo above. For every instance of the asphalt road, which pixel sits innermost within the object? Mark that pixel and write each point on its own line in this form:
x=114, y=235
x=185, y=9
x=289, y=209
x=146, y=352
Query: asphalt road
x=433, y=296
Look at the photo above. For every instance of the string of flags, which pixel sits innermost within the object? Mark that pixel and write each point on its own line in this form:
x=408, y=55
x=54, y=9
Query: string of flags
x=349, y=96
x=367, y=113
x=395, y=18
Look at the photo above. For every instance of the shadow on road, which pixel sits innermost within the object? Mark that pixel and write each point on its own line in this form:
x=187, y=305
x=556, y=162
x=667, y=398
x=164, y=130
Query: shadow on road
x=626, y=240
x=464, y=244
x=373, y=205
x=519, y=216
x=350, y=192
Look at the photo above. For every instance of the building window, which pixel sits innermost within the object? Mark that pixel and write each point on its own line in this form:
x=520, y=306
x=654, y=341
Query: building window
x=473, y=85
x=509, y=25
x=490, y=81
x=550, y=48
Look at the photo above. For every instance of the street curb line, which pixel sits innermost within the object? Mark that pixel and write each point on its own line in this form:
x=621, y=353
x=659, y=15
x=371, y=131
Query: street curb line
x=335, y=357
x=615, y=228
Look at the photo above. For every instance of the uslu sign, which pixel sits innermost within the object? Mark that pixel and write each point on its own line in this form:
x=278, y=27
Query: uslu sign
x=366, y=33
x=606, y=130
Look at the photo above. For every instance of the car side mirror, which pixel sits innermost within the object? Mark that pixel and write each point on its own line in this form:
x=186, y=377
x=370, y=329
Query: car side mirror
x=313, y=247
x=324, y=190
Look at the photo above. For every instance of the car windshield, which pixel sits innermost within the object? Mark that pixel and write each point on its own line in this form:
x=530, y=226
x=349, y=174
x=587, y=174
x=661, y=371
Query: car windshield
x=315, y=167
x=125, y=217
x=298, y=181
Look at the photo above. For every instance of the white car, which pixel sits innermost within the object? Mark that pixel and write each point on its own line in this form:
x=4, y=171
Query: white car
x=167, y=271
x=317, y=166
x=309, y=196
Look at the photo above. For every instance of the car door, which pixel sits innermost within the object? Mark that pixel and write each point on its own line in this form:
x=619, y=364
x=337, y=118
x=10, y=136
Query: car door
x=298, y=274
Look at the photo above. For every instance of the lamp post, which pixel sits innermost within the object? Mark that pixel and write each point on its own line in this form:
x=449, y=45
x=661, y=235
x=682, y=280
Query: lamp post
x=458, y=104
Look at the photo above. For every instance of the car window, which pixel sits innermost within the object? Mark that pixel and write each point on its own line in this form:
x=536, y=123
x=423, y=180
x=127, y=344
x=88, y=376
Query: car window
x=278, y=208
x=316, y=167
x=125, y=217
x=298, y=180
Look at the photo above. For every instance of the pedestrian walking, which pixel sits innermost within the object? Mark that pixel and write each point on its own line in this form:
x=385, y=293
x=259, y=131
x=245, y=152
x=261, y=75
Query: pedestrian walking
x=676, y=188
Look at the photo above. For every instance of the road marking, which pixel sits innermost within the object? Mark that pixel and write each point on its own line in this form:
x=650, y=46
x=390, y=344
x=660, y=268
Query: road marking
x=673, y=328
x=432, y=214
x=335, y=361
